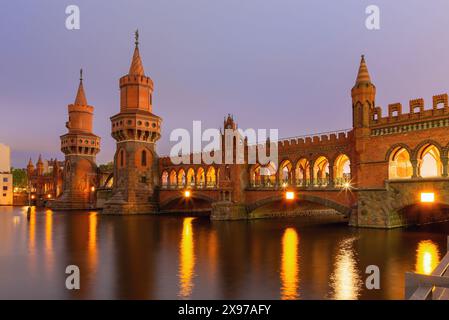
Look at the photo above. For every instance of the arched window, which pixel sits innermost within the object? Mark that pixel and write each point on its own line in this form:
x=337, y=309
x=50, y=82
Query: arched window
x=191, y=177
x=164, y=179
x=143, y=160
x=399, y=165
x=122, y=158
x=255, y=176
x=268, y=173
x=200, y=177
x=286, y=173
x=429, y=161
x=211, y=178
x=342, y=170
x=173, y=178
x=303, y=172
x=181, y=178
x=321, y=171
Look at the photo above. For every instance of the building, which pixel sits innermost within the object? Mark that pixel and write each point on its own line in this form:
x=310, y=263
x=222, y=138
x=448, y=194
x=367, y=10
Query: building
x=136, y=130
x=80, y=147
x=6, y=178
x=386, y=171
x=45, y=181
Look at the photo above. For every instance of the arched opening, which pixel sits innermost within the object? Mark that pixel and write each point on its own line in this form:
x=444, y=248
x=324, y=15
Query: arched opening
x=429, y=161
x=173, y=178
x=268, y=174
x=143, y=159
x=121, y=160
x=211, y=178
x=303, y=172
x=286, y=173
x=191, y=177
x=200, y=178
x=255, y=176
x=164, y=179
x=342, y=170
x=399, y=166
x=321, y=172
x=181, y=178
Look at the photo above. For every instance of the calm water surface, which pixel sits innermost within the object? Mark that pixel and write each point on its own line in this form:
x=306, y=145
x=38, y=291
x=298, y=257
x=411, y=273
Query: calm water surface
x=147, y=257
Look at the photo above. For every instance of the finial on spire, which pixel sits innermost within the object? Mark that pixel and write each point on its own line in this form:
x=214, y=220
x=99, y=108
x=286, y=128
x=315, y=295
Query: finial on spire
x=81, y=74
x=136, y=37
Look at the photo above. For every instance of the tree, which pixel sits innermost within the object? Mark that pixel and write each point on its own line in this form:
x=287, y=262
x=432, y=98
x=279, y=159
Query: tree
x=20, y=178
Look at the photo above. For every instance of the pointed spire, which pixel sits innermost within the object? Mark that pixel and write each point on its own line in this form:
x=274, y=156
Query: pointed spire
x=363, y=75
x=80, y=99
x=136, y=68
x=30, y=163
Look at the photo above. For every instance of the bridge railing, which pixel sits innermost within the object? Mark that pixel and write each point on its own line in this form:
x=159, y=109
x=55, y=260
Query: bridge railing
x=429, y=287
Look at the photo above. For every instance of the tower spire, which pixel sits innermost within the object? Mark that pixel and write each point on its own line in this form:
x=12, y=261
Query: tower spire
x=80, y=99
x=363, y=75
x=136, y=68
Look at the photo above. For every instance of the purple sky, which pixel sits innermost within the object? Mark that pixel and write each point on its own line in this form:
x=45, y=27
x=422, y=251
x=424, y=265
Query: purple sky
x=286, y=64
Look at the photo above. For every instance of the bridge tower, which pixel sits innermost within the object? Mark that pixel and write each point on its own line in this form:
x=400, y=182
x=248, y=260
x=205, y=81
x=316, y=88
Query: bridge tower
x=363, y=104
x=136, y=130
x=80, y=146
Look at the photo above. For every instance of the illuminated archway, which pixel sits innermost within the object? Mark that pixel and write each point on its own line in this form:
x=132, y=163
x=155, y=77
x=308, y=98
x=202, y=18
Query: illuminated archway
x=399, y=165
x=321, y=171
x=255, y=175
x=200, y=177
x=190, y=177
x=342, y=170
x=268, y=173
x=173, y=178
x=164, y=179
x=429, y=161
x=181, y=177
x=211, y=178
x=286, y=173
x=303, y=172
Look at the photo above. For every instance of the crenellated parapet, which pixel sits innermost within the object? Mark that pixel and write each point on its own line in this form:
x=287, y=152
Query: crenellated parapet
x=417, y=117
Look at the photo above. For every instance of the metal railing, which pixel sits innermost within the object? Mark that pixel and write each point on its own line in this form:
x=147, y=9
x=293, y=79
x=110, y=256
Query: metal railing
x=429, y=287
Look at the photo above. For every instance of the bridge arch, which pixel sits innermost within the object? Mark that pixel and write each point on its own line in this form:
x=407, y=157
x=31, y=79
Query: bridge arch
x=399, y=163
x=341, y=209
x=179, y=202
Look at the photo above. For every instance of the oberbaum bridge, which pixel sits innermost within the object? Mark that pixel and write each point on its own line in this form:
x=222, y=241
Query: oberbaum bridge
x=385, y=172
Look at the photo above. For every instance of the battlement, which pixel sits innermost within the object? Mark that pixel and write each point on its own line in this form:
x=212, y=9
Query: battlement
x=325, y=138
x=416, y=112
x=136, y=79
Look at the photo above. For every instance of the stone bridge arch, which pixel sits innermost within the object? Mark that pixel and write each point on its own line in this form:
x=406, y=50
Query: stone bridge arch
x=340, y=208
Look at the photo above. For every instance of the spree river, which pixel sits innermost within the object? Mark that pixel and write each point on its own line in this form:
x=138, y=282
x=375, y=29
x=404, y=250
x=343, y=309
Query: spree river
x=180, y=257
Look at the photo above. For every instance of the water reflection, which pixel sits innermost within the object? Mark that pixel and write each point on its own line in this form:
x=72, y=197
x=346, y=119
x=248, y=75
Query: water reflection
x=92, y=239
x=187, y=259
x=345, y=280
x=289, y=267
x=427, y=257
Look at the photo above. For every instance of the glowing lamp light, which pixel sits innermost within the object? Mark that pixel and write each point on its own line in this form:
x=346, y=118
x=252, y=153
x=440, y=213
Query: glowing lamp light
x=187, y=194
x=92, y=189
x=346, y=186
x=427, y=197
x=289, y=195
x=49, y=196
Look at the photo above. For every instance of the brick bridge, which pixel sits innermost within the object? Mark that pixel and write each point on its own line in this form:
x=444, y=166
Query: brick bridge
x=385, y=171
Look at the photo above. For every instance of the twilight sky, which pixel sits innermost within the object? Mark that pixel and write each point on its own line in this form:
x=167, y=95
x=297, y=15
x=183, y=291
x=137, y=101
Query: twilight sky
x=286, y=64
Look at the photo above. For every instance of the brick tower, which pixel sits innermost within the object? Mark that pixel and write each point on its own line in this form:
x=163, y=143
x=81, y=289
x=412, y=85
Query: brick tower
x=80, y=146
x=136, y=130
x=363, y=105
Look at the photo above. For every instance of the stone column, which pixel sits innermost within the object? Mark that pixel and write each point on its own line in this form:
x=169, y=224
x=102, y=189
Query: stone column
x=331, y=175
x=445, y=159
x=415, y=168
